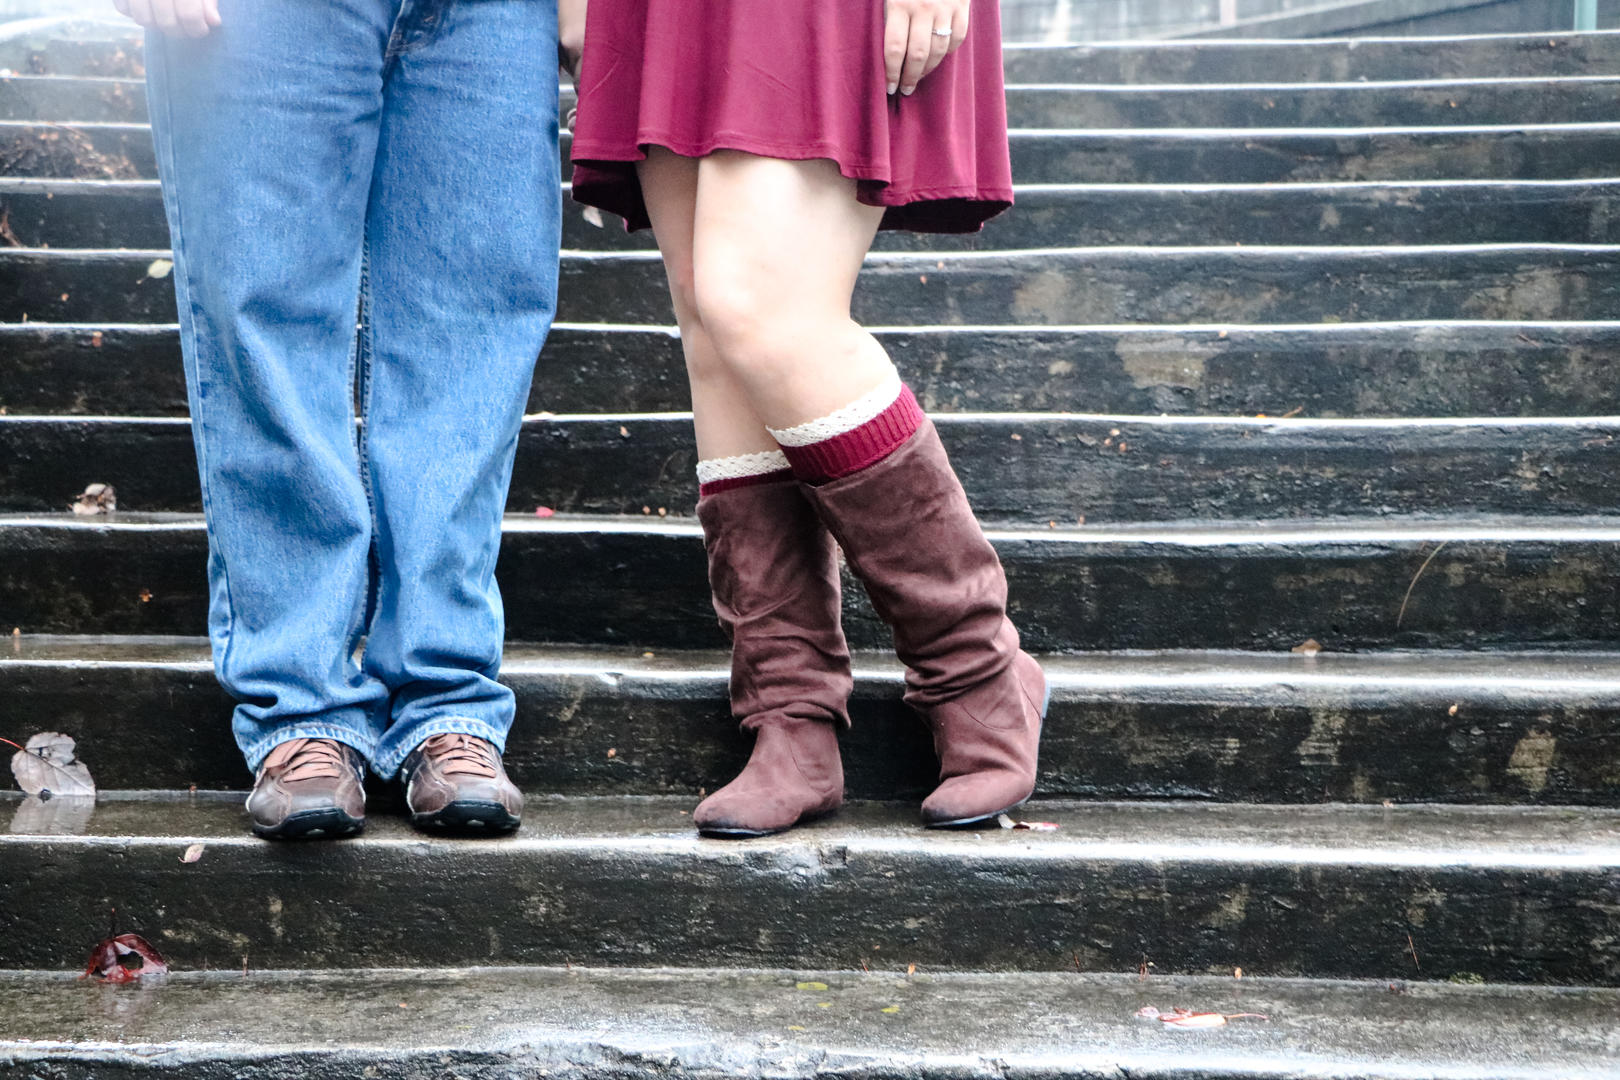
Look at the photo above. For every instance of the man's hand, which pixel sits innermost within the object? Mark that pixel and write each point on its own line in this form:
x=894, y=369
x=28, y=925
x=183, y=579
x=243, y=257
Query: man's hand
x=193, y=18
x=917, y=35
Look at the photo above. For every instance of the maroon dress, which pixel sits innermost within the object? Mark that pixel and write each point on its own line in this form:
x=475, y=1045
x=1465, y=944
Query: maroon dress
x=793, y=79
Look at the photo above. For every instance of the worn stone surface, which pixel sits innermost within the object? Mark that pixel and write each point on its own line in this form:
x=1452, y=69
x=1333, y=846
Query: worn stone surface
x=1389, y=370
x=1482, y=99
x=120, y=151
x=1274, y=727
x=1073, y=286
x=1350, y=104
x=108, y=49
x=473, y=1024
x=103, y=214
x=1545, y=55
x=1329, y=891
x=72, y=100
x=1275, y=155
x=1495, y=582
x=1018, y=468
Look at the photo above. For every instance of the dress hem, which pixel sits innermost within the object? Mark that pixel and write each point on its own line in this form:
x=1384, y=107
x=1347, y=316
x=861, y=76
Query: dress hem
x=618, y=191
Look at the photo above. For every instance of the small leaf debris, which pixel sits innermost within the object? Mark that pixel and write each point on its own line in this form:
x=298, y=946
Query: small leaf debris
x=46, y=766
x=1033, y=826
x=95, y=500
x=193, y=853
x=1186, y=1018
x=1308, y=647
x=810, y=986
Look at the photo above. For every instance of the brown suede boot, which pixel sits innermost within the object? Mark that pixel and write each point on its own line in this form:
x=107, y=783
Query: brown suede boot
x=774, y=572
x=910, y=536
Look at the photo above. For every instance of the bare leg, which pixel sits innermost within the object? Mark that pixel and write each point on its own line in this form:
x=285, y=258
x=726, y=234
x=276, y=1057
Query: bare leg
x=777, y=248
x=722, y=415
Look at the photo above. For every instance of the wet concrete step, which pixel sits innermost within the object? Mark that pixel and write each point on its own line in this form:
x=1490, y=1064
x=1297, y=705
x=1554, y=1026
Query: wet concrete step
x=1416, y=369
x=1059, y=286
x=1343, y=60
x=108, y=49
x=1027, y=468
x=571, y=1023
x=1483, y=99
x=129, y=214
x=1499, y=728
x=1484, y=582
x=1516, y=894
x=1076, y=155
x=695, y=1023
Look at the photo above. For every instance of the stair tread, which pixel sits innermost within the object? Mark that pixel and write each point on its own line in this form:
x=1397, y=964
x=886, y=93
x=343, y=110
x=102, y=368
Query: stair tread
x=1483, y=528
x=577, y=1021
x=1422, y=836
x=1442, y=674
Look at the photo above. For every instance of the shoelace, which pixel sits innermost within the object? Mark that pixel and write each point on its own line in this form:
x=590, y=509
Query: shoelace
x=308, y=759
x=463, y=755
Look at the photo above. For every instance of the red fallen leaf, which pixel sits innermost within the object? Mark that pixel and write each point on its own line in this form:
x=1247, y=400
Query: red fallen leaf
x=544, y=512
x=1186, y=1018
x=123, y=959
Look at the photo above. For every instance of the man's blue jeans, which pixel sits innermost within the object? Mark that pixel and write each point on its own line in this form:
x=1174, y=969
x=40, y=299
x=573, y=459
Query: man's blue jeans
x=364, y=202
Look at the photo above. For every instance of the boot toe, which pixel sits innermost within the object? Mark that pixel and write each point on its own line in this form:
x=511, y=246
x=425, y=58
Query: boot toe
x=741, y=811
x=969, y=800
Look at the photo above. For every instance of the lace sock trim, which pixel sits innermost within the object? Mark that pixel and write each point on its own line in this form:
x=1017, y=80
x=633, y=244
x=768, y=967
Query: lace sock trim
x=860, y=411
x=741, y=466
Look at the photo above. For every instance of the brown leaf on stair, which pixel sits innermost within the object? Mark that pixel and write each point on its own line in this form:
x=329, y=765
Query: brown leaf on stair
x=47, y=766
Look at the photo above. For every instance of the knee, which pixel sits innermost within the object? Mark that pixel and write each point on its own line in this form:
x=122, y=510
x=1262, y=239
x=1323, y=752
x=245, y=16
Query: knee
x=748, y=331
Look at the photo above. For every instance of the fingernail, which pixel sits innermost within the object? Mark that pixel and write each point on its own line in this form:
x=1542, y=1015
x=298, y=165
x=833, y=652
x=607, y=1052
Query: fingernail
x=908, y=91
x=893, y=87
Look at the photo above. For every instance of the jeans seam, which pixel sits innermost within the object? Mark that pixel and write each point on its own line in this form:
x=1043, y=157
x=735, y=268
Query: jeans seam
x=361, y=363
x=186, y=309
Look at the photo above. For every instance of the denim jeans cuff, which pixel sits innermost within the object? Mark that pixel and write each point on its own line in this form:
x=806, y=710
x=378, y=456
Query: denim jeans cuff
x=396, y=745
x=258, y=751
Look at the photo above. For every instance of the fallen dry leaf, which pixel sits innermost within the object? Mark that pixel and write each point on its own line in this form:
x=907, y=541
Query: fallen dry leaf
x=1308, y=647
x=1186, y=1018
x=46, y=765
x=1033, y=826
x=810, y=986
x=159, y=268
x=94, y=500
x=193, y=853
x=123, y=959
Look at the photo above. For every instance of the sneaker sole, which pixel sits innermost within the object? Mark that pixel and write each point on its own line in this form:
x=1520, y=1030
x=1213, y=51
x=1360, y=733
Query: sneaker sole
x=979, y=819
x=329, y=824
x=469, y=818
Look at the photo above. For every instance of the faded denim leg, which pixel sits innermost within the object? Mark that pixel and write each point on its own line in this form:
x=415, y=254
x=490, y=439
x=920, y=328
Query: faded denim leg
x=462, y=240
x=266, y=135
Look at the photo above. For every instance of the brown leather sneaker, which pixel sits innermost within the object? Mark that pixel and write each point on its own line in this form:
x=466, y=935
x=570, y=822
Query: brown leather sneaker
x=309, y=788
x=457, y=783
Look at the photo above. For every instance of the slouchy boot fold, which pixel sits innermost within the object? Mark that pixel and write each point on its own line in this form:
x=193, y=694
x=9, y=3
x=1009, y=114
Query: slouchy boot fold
x=907, y=530
x=774, y=573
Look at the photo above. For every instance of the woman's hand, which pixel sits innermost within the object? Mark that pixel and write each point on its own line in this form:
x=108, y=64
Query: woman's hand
x=917, y=35
x=193, y=18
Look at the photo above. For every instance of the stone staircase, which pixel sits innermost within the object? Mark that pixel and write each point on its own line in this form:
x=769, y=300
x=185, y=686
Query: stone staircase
x=1285, y=341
